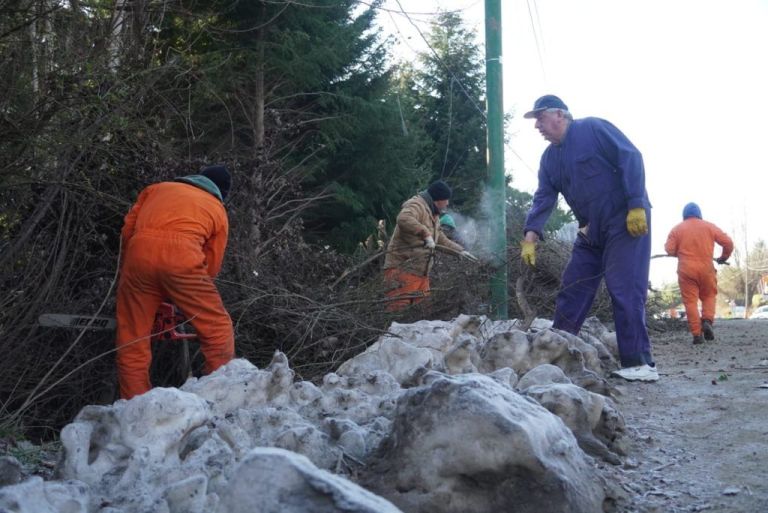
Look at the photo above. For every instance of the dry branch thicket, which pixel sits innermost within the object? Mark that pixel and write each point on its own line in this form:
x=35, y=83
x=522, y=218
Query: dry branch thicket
x=316, y=305
x=88, y=117
x=60, y=250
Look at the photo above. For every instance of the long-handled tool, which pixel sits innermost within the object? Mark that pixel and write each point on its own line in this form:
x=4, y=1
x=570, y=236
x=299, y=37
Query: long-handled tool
x=170, y=324
x=673, y=256
x=382, y=252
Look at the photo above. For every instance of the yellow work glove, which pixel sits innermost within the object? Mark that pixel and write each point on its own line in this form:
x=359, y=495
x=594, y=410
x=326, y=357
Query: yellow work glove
x=528, y=252
x=637, y=225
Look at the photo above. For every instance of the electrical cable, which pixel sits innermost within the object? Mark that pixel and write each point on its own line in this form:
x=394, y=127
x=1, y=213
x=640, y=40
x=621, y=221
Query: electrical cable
x=450, y=127
x=441, y=63
x=402, y=36
x=399, y=11
x=538, y=37
x=521, y=159
x=461, y=86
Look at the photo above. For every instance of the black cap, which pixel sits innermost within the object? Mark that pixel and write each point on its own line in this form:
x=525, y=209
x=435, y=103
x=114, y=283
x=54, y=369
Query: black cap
x=220, y=176
x=439, y=190
x=548, y=101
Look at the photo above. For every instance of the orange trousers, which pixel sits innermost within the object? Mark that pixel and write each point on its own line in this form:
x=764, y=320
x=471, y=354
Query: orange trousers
x=698, y=282
x=409, y=288
x=155, y=269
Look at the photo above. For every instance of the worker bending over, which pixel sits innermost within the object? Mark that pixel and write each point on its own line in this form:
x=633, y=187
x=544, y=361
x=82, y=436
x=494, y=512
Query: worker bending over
x=173, y=243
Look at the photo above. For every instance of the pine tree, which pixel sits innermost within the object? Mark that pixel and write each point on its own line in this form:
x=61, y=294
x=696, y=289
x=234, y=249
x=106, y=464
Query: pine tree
x=451, y=109
x=307, y=87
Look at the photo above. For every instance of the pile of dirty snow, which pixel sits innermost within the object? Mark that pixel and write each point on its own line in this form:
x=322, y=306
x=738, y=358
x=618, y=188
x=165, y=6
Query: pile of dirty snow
x=470, y=415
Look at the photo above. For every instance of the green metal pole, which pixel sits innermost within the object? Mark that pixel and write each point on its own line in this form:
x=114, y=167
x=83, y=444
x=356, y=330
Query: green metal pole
x=497, y=183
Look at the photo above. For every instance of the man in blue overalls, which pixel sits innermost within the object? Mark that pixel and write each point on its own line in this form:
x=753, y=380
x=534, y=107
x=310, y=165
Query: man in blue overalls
x=600, y=174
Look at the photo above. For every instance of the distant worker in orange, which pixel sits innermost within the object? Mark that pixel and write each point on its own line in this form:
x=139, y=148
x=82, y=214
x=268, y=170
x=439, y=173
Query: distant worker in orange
x=173, y=244
x=411, y=249
x=693, y=243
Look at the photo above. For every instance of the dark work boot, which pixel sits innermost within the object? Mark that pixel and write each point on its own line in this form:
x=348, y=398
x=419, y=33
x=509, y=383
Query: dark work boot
x=706, y=329
x=698, y=339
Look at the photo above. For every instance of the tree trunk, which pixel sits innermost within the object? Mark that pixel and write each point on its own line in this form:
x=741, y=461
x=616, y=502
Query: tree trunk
x=116, y=27
x=258, y=93
x=35, y=81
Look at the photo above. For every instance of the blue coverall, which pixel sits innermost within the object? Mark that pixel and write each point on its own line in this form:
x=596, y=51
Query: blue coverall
x=600, y=174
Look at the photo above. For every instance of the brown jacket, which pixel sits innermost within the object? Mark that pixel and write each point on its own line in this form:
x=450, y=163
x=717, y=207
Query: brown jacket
x=406, y=250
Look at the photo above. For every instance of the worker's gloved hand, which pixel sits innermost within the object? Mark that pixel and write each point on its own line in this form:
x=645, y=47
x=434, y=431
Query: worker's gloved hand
x=637, y=224
x=429, y=242
x=528, y=252
x=721, y=260
x=469, y=256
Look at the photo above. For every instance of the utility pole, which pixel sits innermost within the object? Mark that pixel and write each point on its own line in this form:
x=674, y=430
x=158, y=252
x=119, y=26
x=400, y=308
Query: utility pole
x=496, y=183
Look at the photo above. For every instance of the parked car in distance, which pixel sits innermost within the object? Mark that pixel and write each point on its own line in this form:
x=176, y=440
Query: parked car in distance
x=737, y=312
x=760, y=313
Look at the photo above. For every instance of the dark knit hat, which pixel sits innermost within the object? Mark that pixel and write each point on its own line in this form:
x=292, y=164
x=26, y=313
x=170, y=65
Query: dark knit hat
x=691, y=210
x=220, y=176
x=439, y=190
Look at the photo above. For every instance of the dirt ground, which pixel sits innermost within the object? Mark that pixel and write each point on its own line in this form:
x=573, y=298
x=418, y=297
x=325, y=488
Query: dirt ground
x=699, y=436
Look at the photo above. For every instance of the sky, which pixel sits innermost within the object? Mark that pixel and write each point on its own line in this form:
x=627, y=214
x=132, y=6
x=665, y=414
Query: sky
x=685, y=80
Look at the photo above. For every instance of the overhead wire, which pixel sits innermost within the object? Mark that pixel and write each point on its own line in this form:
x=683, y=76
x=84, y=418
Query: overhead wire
x=453, y=76
x=522, y=160
x=450, y=126
x=441, y=63
x=538, y=38
x=402, y=36
x=453, y=79
x=415, y=13
x=399, y=106
x=538, y=35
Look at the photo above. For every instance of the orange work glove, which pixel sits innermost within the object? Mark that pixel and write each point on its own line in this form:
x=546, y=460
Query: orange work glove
x=637, y=224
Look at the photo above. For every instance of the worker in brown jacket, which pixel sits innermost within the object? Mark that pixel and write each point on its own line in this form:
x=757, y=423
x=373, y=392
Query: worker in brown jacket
x=693, y=243
x=411, y=249
x=173, y=243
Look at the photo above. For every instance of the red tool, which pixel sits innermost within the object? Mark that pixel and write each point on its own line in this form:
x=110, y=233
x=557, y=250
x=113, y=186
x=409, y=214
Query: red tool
x=169, y=324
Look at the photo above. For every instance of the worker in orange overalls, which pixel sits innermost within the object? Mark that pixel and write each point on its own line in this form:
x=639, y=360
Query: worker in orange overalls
x=411, y=250
x=693, y=243
x=173, y=243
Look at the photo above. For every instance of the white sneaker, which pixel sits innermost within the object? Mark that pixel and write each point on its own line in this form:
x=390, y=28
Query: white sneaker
x=639, y=373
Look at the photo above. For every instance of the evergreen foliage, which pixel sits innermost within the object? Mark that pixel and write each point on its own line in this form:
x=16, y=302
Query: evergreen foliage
x=518, y=205
x=324, y=138
x=449, y=106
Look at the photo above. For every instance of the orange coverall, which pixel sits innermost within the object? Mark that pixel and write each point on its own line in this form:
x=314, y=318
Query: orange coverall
x=412, y=288
x=693, y=243
x=173, y=239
